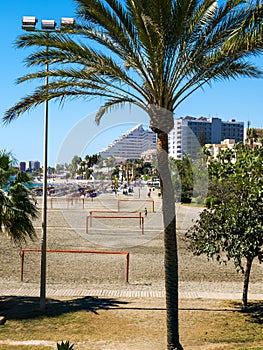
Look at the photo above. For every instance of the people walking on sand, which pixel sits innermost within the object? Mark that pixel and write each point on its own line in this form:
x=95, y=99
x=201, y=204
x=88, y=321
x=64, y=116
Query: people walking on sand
x=145, y=212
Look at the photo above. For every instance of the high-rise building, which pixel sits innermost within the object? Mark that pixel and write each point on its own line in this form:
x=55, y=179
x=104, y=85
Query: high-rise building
x=32, y=165
x=22, y=166
x=35, y=165
x=132, y=144
x=190, y=134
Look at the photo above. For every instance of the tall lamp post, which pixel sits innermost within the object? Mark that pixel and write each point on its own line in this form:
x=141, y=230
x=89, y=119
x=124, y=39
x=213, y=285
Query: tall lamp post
x=29, y=24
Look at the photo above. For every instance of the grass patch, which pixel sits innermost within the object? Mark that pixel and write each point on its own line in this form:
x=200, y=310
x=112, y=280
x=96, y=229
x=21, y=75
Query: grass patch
x=87, y=322
x=253, y=348
x=221, y=322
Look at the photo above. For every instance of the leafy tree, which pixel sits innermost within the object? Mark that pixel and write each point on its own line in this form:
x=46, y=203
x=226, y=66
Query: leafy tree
x=51, y=170
x=200, y=178
x=153, y=54
x=73, y=166
x=182, y=174
x=93, y=159
x=83, y=167
x=59, y=168
x=143, y=168
x=17, y=208
x=252, y=137
x=115, y=173
x=233, y=226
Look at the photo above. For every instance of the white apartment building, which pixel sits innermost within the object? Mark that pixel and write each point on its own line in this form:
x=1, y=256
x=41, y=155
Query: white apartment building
x=190, y=134
x=215, y=148
x=132, y=144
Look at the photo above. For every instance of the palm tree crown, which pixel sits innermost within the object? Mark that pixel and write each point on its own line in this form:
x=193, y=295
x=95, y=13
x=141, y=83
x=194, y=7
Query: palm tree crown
x=150, y=53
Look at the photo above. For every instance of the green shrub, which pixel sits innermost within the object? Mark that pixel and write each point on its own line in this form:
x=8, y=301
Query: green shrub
x=65, y=346
x=199, y=200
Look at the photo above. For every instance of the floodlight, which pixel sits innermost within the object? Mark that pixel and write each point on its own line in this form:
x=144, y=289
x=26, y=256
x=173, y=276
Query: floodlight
x=65, y=21
x=29, y=22
x=48, y=24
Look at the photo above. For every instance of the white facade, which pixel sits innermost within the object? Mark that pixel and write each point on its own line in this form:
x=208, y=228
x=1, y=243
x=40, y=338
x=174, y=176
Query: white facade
x=131, y=145
x=181, y=139
x=215, y=148
x=190, y=134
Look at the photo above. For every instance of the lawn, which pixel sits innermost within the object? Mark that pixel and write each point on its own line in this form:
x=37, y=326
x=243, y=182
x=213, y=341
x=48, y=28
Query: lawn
x=133, y=324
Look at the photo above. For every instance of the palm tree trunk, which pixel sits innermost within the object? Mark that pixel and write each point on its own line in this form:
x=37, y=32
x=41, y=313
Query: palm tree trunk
x=246, y=281
x=170, y=244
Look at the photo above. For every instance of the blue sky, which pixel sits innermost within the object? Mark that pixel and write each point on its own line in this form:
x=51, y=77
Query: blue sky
x=240, y=99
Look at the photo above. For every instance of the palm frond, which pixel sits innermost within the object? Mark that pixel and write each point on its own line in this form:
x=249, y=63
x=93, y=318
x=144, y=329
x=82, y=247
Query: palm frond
x=113, y=103
x=18, y=226
x=148, y=51
x=248, y=35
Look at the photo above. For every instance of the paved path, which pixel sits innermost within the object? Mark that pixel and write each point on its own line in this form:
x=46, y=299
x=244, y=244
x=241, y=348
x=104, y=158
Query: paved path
x=187, y=290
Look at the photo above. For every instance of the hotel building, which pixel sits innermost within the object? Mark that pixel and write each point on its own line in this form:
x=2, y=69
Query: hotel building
x=131, y=145
x=190, y=134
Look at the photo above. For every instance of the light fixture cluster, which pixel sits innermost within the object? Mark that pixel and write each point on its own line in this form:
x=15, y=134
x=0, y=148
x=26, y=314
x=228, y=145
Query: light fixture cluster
x=29, y=23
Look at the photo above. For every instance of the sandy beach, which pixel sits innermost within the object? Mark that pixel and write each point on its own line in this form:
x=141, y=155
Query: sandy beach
x=67, y=231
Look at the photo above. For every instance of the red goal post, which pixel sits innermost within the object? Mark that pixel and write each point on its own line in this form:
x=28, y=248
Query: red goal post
x=22, y=255
x=110, y=212
x=89, y=217
x=136, y=200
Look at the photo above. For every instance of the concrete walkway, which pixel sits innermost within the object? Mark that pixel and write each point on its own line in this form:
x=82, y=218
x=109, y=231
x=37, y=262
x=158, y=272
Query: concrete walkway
x=187, y=290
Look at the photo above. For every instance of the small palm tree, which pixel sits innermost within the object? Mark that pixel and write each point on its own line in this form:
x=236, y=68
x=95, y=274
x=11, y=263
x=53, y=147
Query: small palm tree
x=153, y=54
x=17, y=208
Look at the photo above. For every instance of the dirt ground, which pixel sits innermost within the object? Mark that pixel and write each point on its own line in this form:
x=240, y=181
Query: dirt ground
x=67, y=231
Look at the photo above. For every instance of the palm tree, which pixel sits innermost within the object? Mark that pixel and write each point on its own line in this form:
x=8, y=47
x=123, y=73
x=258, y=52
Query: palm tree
x=153, y=54
x=17, y=208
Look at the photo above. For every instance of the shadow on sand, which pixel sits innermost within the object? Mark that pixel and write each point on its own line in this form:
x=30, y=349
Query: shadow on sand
x=22, y=307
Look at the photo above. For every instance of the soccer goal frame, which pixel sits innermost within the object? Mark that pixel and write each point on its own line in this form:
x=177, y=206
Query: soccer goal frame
x=89, y=220
x=127, y=254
